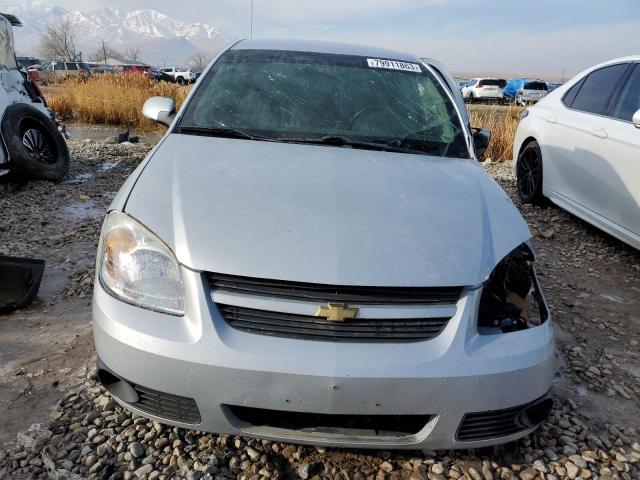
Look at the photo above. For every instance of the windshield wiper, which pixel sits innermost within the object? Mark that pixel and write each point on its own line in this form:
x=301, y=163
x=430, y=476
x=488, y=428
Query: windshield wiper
x=340, y=141
x=218, y=132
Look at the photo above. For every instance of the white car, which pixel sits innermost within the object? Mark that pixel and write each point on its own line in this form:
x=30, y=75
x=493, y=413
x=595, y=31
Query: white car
x=580, y=146
x=178, y=75
x=32, y=146
x=483, y=89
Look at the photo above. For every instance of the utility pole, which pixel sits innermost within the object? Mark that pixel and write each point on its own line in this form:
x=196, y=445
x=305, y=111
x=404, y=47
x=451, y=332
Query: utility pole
x=104, y=52
x=251, y=19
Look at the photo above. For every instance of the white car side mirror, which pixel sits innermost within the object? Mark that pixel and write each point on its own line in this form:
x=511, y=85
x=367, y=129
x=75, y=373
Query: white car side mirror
x=160, y=109
x=636, y=119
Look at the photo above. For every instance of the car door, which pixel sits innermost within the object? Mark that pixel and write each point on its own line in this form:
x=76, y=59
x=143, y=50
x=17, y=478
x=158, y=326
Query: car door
x=571, y=169
x=617, y=149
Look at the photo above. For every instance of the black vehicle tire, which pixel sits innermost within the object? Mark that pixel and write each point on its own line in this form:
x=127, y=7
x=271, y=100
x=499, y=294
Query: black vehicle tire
x=471, y=98
x=529, y=174
x=35, y=146
x=180, y=81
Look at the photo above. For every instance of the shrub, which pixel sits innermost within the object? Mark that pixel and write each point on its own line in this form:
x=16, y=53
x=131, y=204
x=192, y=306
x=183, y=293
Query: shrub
x=110, y=99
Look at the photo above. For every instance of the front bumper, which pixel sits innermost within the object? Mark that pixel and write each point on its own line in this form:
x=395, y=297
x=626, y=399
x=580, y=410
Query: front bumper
x=199, y=356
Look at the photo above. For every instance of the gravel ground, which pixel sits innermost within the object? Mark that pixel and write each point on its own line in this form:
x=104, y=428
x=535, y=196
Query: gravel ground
x=591, y=280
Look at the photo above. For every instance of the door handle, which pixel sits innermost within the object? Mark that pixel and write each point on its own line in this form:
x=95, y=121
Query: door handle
x=551, y=119
x=599, y=132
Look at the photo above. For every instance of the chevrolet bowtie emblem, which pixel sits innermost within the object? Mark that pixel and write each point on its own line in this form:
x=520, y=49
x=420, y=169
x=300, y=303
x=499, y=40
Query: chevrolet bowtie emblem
x=336, y=312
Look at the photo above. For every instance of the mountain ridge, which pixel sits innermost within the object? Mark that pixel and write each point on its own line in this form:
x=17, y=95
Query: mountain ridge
x=160, y=38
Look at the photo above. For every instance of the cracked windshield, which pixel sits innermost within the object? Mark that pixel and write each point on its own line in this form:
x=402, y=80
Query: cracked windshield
x=321, y=98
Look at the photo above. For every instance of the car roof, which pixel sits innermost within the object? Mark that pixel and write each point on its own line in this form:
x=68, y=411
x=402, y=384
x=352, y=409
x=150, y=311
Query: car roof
x=325, y=47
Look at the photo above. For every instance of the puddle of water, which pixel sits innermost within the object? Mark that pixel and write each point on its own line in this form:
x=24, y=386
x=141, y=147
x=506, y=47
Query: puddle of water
x=98, y=133
x=106, y=166
x=80, y=178
x=81, y=210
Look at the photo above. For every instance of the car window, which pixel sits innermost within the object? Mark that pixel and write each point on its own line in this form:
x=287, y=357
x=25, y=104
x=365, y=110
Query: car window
x=535, y=86
x=58, y=66
x=489, y=82
x=71, y=66
x=570, y=96
x=502, y=83
x=597, y=89
x=284, y=95
x=629, y=101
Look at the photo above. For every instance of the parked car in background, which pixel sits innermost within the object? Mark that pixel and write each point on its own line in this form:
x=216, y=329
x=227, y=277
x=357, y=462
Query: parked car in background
x=462, y=82
x=178, y=75
x=103, y=69
x=155, y=74
x=27, y=62
x=553, y=86
x=478, y=89
x=523, y=91
x=51, y=72
x=580, y=148
x=391, y=296
x=144, y=70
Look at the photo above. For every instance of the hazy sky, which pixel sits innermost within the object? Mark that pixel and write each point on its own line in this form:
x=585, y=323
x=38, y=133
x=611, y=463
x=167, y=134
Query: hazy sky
x=542, y=36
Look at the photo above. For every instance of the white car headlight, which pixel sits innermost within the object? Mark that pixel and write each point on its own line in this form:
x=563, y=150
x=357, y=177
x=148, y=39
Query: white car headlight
x=135, y=266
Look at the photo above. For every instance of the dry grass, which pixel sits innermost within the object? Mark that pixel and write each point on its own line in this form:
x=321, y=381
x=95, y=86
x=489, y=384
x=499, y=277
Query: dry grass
x=110, y=99
x=117, y=100
x=502, y=122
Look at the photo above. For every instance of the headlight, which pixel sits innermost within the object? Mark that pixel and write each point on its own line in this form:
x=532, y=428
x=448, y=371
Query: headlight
x=511, y=297
x=135, y=266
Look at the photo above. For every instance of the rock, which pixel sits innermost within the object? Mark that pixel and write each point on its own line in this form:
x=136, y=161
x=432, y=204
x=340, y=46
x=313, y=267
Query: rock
x=253, y=454
x=386, y=467
x=303, y=471
x=486, y=470
x=474, y=474
x=96, y=467
x=540, y=466
x=528, y=474
x=136, y=449
x=437, y=468
x=572, y=470
x=547, y=233
x=144, y=470
x=578, y=461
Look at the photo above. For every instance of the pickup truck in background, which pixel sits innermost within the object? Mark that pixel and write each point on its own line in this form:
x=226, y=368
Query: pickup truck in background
x=178, y=75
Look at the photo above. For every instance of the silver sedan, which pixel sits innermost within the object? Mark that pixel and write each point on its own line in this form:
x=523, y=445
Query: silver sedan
x=313, y=253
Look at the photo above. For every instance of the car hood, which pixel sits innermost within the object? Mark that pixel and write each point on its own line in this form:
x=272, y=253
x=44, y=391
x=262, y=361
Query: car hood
x=325, y=214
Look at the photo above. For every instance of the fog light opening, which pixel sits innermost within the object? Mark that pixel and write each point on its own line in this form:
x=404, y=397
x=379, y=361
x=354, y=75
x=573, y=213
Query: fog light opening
x=535, y=414
x=117, y=387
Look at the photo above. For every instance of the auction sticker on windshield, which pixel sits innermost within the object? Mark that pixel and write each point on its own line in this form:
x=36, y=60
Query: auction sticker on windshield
x=393, y=65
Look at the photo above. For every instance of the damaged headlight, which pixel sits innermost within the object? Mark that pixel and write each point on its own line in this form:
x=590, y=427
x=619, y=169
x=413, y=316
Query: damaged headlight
x=134, y=265
x=511, y=298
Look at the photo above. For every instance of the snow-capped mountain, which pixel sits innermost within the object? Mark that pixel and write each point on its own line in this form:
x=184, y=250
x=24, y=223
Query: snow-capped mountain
x=159, y=37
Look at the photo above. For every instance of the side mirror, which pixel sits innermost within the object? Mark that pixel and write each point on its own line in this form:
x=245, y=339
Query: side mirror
x=481, y=138
x=636, y=119
x=160, y=109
